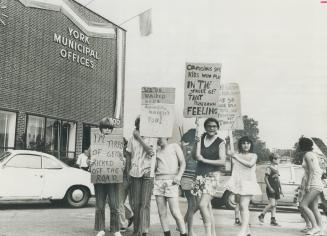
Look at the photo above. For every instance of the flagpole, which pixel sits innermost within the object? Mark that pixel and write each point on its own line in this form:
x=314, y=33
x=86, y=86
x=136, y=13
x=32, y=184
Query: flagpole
x=131, y=18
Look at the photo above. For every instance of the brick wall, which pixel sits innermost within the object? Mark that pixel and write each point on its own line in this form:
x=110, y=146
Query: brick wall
x=35, y=79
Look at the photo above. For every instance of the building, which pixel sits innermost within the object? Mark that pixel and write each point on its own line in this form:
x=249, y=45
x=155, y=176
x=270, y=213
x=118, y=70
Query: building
x=61, y=71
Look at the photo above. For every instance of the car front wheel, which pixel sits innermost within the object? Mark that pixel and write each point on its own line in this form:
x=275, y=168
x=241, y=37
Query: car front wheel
x=230, y=200
x=77, y=196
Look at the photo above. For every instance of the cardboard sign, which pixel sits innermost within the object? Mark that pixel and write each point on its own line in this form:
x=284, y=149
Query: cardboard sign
x=229, y=107
x=157, y=112
x=201, y=90
x=107, y=152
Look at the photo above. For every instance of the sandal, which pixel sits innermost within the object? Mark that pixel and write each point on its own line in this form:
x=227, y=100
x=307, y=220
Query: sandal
x=306, y=229
x=310, y=233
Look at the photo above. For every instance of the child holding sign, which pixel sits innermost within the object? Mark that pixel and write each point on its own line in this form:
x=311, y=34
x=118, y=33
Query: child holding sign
x=170, y=166
x=141, y=156
x=104, y=190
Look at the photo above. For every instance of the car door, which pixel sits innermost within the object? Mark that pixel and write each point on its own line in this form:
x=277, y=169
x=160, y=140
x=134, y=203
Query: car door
x=23, y=177
x=54, y=178
x=288, y=184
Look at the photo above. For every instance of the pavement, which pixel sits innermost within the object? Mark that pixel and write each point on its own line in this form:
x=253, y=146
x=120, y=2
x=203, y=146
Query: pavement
x=34, y=219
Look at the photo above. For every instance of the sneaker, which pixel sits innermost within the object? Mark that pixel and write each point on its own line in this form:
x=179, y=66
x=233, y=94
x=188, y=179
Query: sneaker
x=261, y=218
x=273, y=222
x=237, y=221
x=101, y=233
x=306, y=229
x=123, y=229
x=117, y=234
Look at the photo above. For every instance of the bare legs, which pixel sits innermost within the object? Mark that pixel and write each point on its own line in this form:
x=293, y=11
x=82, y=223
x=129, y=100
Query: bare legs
x=309, y=205
x=175, y=211
x=207, y=214
x=192, y=207
x=245, y=215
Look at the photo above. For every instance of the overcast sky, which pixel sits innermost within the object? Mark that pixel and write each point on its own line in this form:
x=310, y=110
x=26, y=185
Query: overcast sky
x=275, y=50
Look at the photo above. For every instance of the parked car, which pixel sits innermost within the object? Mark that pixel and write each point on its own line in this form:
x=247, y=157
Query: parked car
x=290, y=178
x=31, y=175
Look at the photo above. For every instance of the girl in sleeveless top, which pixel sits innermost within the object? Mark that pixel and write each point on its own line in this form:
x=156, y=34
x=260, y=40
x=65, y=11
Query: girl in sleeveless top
x=243, y=181
x=313, y=188
x=273, y=189
x=210, y=155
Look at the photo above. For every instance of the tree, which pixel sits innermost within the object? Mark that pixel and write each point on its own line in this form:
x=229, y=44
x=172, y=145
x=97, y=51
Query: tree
x=251, y=130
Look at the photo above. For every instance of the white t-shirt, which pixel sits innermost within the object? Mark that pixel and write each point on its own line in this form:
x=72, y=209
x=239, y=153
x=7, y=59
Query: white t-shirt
x=82, y=160
x=141, y=163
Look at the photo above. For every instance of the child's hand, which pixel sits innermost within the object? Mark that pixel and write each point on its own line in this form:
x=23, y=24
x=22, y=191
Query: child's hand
x=177, y=180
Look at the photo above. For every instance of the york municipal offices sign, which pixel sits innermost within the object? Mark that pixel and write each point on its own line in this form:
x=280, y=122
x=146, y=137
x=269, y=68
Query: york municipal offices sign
x=76, y=48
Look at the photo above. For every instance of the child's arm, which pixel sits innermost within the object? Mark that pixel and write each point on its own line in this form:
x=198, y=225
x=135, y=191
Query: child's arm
x=181, y=163
x=268, y=171
x=148, y=149
x=250, y=163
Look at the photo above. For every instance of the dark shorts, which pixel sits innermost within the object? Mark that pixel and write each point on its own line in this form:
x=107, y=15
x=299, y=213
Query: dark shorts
x=275, y=195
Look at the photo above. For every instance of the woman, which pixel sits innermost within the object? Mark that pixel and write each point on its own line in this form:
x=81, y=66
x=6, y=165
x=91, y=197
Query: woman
x=273, y=189
x=170, y=165
x=243, y=182
x=313, y=186
x=211, y=156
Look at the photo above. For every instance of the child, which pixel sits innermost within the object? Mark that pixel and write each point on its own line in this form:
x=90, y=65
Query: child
x=170, y=165
x=243, y=181
x=273, y=189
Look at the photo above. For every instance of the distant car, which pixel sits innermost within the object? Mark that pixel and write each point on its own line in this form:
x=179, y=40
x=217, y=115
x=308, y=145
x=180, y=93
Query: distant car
x=31, y=175
x=290, y=178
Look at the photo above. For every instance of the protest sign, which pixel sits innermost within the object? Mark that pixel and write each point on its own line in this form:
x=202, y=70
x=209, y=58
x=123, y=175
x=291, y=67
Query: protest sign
x=157, y=112
x=107, y=154
x=201, y=89
x=229, y=107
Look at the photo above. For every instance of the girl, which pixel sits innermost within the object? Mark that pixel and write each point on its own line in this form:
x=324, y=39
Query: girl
x=170, y=165
x=210, y=154
x=188, y=178
x=243, y=181
x=313, y=186
x=273, y=189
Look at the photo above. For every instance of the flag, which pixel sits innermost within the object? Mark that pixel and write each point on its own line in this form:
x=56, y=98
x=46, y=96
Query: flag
x=145, y=23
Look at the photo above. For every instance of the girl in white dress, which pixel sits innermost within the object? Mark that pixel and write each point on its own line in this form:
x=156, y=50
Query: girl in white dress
x=243, y=182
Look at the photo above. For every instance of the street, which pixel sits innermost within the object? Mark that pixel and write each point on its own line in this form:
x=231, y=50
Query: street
x=46, y=219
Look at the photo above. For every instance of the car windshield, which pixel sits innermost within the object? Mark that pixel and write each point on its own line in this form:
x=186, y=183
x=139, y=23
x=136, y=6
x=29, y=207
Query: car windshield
x=4, y=155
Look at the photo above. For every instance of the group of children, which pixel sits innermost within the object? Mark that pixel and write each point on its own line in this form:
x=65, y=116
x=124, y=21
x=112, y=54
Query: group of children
x=154, y=166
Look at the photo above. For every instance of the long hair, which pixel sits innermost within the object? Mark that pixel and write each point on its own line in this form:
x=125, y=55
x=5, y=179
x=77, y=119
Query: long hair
x=243, y=140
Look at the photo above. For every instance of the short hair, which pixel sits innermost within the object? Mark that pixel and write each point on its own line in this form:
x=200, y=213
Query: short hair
x=106, y=123
x=272, y=156
x=305, y=144
x=243, y=140
x=211, y=119
x=189, y=136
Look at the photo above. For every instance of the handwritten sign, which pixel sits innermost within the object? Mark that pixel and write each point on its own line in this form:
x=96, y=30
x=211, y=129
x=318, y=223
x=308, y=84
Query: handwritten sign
x=157, y=112
x=201, y=89
x=107, y=152
x=229, y=107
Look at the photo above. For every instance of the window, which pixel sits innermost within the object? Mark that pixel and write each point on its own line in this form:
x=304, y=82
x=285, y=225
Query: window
x=25, y=161
x=7, y=130
x=53, y=136
x=285, y=174
x=87, y=135
x=298, y=172
x=48, y=163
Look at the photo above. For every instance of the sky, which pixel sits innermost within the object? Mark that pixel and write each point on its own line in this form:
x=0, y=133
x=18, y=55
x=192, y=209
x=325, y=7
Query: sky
x=275, y=50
